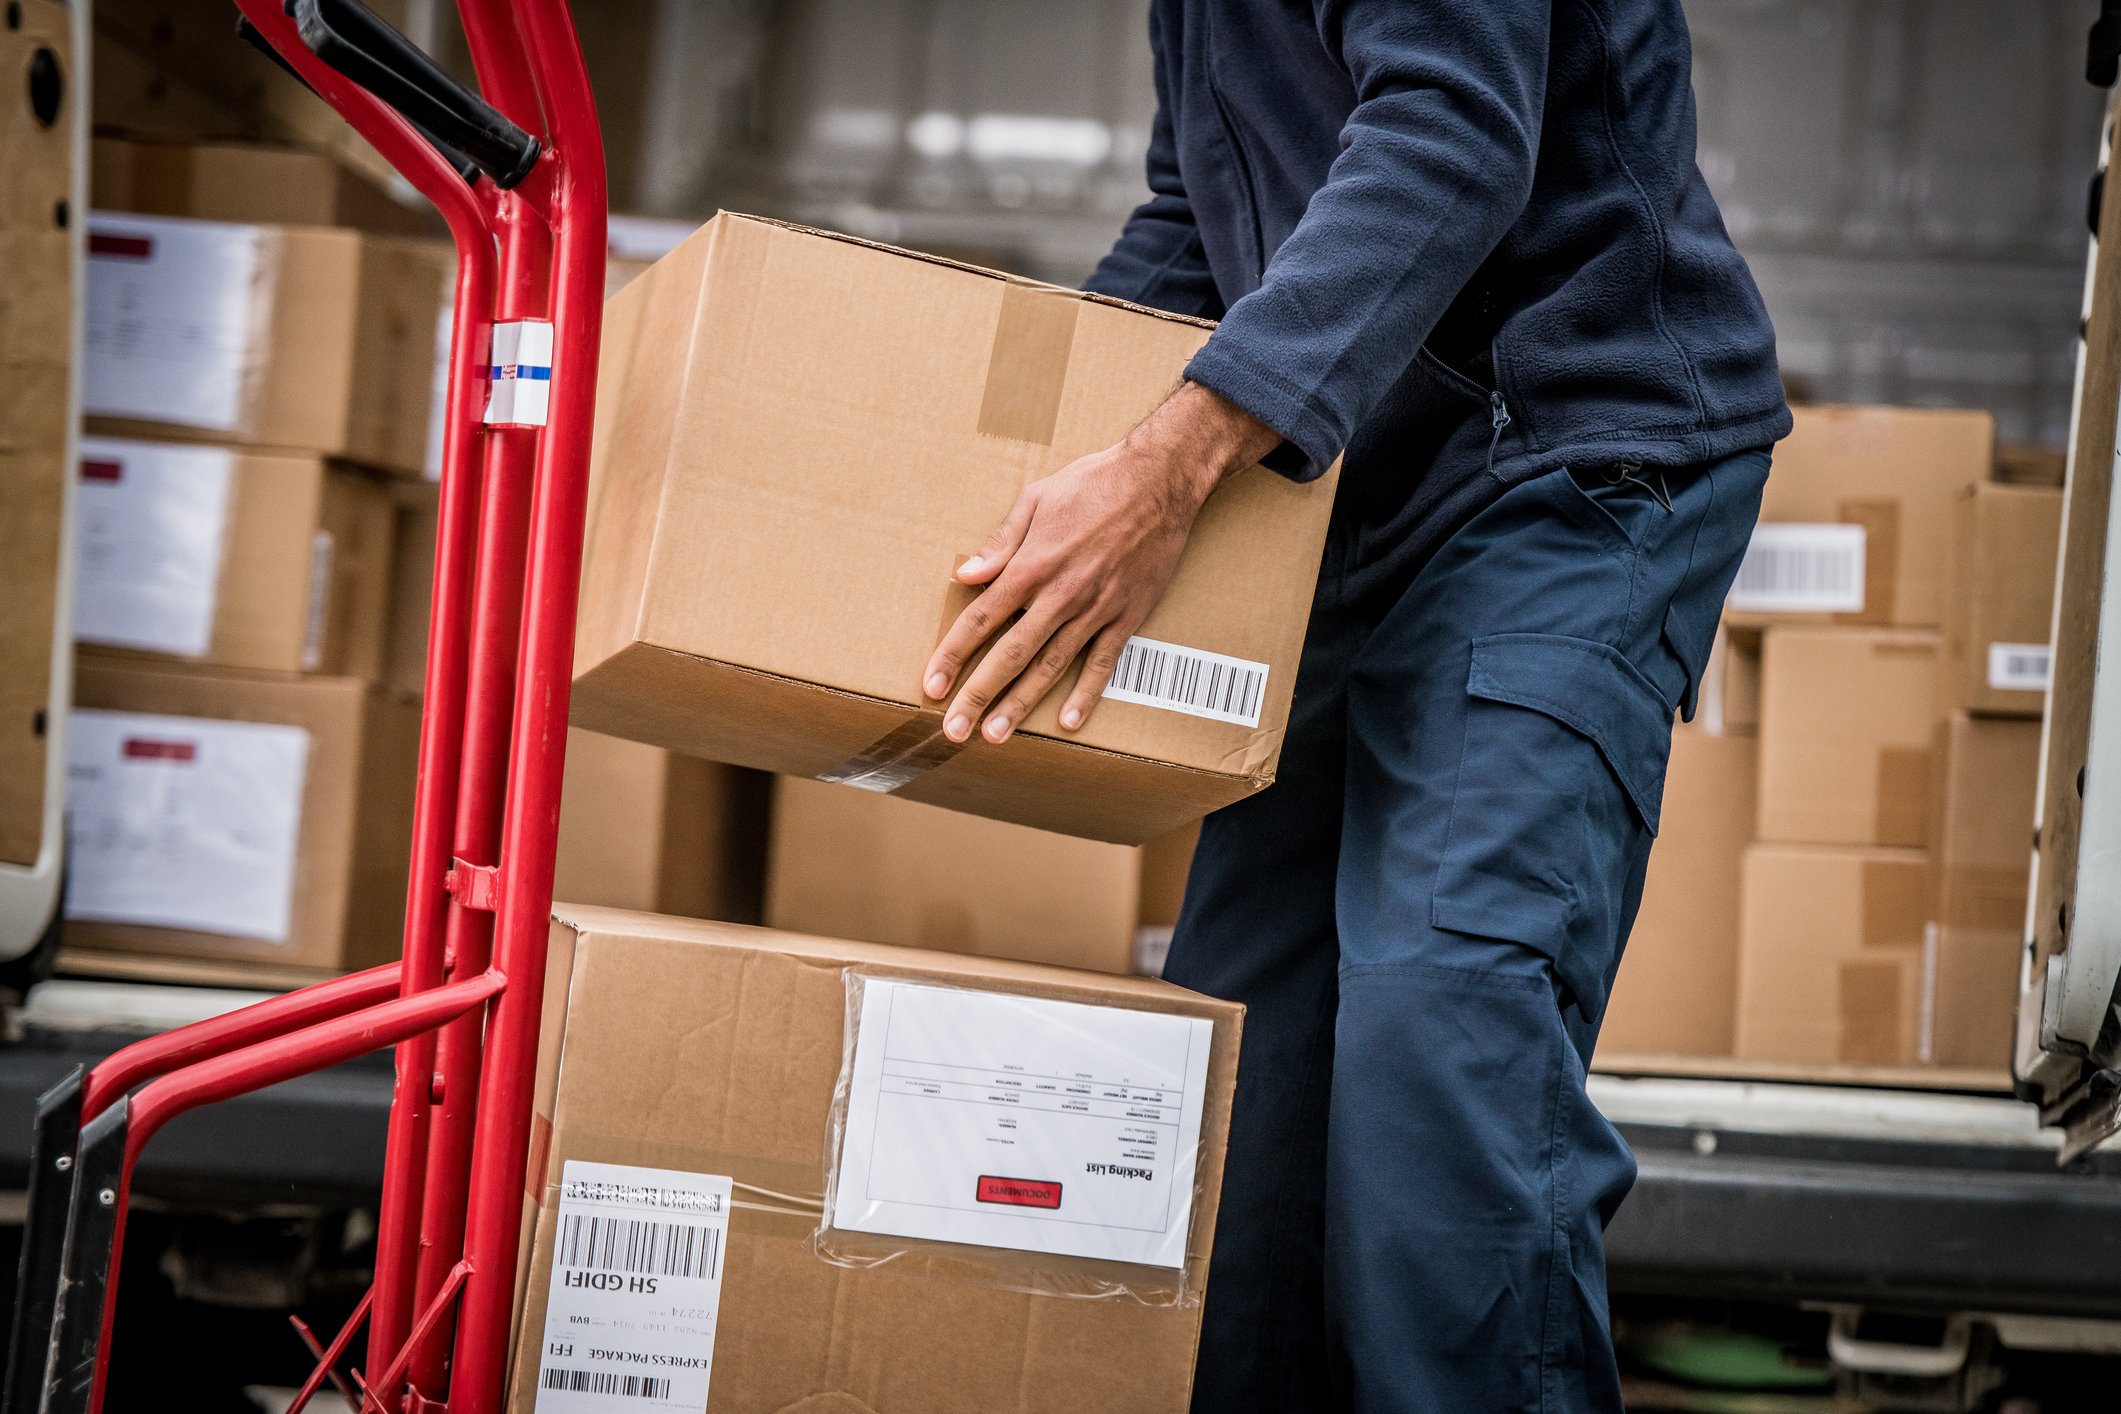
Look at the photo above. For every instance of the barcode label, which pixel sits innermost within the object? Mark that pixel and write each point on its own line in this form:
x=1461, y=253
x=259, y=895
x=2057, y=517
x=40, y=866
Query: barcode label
x=601, y=1382
x=320, y=547
x=1802, y=569
x=2019, y=667
x=1189, y=680
x=594, y=1243
x=635, y=1290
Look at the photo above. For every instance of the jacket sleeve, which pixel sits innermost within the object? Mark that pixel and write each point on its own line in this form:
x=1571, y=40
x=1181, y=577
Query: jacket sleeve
x=1159, y=260
x=1435, y=166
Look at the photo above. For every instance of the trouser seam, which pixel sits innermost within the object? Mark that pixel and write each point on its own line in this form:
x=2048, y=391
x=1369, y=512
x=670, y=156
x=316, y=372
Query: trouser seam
x=1557, y=1268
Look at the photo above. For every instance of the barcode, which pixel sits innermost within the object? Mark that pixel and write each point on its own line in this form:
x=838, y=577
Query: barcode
x=638, y=1246
x=1188, y=680
x=1792, y=568
x=2019, y=667
x=604, y=1382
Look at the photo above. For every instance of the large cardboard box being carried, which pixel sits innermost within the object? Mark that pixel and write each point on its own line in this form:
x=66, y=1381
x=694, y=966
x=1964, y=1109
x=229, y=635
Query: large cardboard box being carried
x=1676, y=993
x=855, y=864
x=2003, y=602
x=219, y=817
x=687, y=1078
x=801, y=435
x=1848, y=723
x=253, y=182
x=1856, y=523
x=231, y=558
x=307, y=338
x=1981, y=861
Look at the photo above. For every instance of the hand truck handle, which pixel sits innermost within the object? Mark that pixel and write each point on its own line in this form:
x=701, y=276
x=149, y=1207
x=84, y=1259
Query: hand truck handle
x=350, y=38
x=250, y=34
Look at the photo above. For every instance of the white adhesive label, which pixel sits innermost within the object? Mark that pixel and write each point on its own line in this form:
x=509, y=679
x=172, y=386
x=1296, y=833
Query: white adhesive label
x=173, y=315
x=1793, y=568
x=184, y=822
x=1189, y=680
x=1020, y=1122
x=637, y=1259
x=521, y=370
x=149, y=527
x=2019, y=667
x=319, y=618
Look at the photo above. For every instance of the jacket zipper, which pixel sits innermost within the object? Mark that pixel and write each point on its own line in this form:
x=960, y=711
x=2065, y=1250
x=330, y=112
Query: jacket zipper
x=1498, y=418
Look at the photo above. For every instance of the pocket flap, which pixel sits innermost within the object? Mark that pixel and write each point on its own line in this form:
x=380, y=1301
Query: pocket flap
x=1593, y=690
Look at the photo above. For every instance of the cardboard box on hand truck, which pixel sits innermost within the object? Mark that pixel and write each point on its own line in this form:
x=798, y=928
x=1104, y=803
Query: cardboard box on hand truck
x=754, y=1187
x=800, y=436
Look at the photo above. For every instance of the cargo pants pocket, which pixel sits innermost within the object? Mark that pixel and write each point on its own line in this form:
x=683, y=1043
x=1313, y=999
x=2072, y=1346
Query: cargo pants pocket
x=1560, y=781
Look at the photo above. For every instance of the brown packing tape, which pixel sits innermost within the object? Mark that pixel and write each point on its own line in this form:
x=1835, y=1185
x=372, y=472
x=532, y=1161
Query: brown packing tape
x=1870, y=1010
x=1985, y=898
x=1881, y=558
x=1893, y=906
x=1028, y=367
x=1901, y=808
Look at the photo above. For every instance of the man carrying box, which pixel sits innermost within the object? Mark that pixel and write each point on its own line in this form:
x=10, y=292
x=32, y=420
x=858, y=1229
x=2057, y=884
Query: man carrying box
x=1462, y=245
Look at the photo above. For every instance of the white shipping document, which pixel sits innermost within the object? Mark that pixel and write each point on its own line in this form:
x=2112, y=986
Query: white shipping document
x=2019, y=667
x=173, y=316
x=184, y=822
x=637, y=1258
x=1018, y=1122
x=149, y=523
x=1794, y=567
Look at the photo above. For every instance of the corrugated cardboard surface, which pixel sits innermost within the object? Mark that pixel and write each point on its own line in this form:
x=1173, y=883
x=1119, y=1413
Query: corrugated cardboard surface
x=1847, y=730
x=1831, y=955
x=1894, y=471
x=2003, y=591
x=36, y=299
x=356, y=826
x=849, y=863
x=255, y=183
x=346, y=363
x=1980, y=876
x=801, y=437
x=714, y=1048
x=648, y=829
x=1676, y=993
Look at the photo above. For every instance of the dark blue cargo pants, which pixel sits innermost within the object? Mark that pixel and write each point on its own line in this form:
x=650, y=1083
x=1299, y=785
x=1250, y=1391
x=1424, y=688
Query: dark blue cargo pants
x=1424, y=916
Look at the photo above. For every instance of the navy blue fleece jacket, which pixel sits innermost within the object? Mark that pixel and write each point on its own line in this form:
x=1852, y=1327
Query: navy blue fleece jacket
x=1462, y=241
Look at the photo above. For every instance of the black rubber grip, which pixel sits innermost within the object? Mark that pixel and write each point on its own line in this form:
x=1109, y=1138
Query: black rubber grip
x=349, y=36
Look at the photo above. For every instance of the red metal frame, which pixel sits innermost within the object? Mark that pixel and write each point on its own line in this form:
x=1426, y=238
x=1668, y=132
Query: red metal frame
x=462, y=1009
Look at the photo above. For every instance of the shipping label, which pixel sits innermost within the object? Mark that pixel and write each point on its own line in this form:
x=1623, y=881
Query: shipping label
x=174, y=317
x=1189, y=680
x=1024, y=1123
x=2019, y=667
x=521, y=370
x=1794, y=568
x=184, y=822
x=637, y=1258
x=149, y=525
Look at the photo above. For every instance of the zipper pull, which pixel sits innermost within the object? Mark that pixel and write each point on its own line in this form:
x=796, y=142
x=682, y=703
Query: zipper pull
x=1499, y=418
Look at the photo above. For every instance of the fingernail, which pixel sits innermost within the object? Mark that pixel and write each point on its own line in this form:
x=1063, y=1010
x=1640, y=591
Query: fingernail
x=970, y=566
x=958, y=727
x=997, y=729
x=938, y=684
x=1071, y=717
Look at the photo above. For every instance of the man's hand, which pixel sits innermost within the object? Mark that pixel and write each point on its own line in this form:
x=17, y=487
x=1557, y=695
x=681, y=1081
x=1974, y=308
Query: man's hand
x=1080, y=561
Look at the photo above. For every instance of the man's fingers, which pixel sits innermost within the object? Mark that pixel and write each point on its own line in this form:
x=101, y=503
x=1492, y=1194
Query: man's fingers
x=995, y=551
x=974, y=625
x=1031, y=687
x=1011, y=654
x=1098, y=666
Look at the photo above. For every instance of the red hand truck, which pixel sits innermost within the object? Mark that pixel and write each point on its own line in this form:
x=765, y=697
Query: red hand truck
x=517, y=171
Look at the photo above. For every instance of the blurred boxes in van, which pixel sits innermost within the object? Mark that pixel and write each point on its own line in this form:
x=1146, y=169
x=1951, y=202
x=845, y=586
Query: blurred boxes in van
x=1847, y=731
x=2002, y=606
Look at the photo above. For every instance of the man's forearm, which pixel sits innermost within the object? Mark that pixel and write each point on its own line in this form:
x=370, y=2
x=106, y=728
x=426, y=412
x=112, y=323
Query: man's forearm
x=1203, y=439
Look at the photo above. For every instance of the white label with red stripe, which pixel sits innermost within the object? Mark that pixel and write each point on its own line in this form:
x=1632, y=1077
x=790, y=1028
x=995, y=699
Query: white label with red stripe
x=1021, y=1122
x=521, y=369
x=184, y=822
x=149, y=523
x=175, y=319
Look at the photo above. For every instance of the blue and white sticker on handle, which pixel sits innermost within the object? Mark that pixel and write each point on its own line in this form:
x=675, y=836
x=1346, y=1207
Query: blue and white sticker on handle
x=521, y=372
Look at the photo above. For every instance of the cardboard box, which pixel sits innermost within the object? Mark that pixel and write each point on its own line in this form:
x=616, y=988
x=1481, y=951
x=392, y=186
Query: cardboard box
x=1856, y=524
x=770, y=396
x=305, y=338
x=1676, y=993
x=412, y=579
x=2003, y=599
x=2018, y=464
x=260, y=817
x=36, y=324
x=1981, y=858
x=1831, y=955
x=647, y=829
x=232, y=559
x=1729, y=701
x=258, y=183
x=646, y=1060
x=1847, y=731
x=854, y=864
